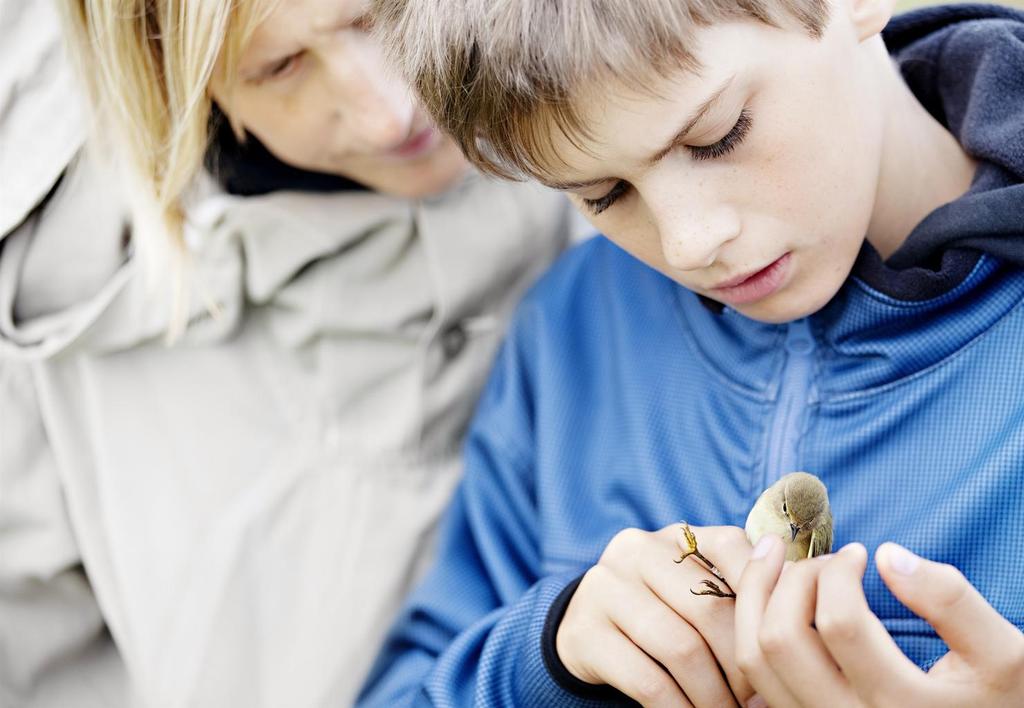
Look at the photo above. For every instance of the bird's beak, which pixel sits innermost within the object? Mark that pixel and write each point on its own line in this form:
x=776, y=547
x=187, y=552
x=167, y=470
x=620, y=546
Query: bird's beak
x=793, y=530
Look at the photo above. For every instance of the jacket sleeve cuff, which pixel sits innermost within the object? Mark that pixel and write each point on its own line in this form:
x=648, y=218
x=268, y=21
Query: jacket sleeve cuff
x=556, y=669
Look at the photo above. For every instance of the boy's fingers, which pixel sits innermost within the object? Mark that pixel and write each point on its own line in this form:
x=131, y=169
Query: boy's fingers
x=868, y=657
x=666, y=637
x=790, y=644
x=941, y=595
x=752, y=593
x=635, y=673
x=713, y=618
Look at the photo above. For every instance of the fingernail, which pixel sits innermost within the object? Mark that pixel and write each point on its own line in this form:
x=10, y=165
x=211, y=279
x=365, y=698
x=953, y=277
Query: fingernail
x=901, y=560
x=757, y=702
x=851, y=548
x=761, y=549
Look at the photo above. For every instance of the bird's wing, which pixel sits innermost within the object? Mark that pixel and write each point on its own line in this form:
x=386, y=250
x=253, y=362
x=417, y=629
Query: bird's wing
x=821, y=540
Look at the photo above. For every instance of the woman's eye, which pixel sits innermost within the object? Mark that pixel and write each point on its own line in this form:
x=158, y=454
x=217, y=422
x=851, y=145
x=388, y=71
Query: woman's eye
x=727, y=144
x=596, y=206
x=280, y=69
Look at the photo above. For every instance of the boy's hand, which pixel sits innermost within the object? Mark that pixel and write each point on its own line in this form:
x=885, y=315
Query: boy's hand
x=634, y=610
x=847, y=656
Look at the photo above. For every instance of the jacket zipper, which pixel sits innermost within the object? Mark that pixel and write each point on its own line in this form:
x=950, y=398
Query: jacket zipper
x=794, y=393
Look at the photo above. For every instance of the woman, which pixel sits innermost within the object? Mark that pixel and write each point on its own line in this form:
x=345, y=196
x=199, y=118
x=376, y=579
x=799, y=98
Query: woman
x=233, y=519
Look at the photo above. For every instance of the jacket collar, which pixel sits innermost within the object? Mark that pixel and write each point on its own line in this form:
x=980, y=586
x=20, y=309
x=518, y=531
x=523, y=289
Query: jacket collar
x=863, y=339
x=344, y=262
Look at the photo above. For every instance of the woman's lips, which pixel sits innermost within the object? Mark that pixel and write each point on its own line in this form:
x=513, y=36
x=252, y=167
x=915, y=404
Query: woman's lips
x=417, y=145
x=753, y=286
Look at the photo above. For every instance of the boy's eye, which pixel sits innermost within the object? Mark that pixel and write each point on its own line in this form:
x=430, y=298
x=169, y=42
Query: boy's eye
x=596, y=206
x=699, y=152
x=728, y=143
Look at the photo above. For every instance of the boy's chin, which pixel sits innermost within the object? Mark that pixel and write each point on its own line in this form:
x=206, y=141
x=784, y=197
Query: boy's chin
x=771, y=317
x=784, y=306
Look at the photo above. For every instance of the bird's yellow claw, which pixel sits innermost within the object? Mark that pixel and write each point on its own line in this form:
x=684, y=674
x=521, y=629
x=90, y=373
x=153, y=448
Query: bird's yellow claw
x=710, y=588
x=691, y=538
x=691, y=541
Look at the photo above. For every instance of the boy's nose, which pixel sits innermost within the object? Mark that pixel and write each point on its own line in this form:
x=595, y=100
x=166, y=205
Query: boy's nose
x=693, y=240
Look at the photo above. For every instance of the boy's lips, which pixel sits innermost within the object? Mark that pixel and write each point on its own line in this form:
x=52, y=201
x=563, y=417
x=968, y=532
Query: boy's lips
x=755, y=285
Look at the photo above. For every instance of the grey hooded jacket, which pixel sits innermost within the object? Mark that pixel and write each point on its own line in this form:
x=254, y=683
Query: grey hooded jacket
x=232, y=520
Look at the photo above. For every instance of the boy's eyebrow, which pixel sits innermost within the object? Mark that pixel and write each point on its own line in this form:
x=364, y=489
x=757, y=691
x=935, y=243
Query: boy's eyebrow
x=678, y=139
x=697, y=116
x=574, y=186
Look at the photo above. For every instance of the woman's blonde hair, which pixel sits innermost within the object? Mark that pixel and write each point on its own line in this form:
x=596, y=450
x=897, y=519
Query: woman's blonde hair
x=147, y=65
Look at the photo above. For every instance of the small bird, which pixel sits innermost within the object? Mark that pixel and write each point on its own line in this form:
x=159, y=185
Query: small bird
x=796, y=510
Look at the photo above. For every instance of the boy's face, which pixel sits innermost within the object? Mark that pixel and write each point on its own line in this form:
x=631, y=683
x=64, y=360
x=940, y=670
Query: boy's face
x=776, y=179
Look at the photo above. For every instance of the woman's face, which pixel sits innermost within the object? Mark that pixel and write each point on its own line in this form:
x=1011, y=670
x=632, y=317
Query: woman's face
x=313, y=87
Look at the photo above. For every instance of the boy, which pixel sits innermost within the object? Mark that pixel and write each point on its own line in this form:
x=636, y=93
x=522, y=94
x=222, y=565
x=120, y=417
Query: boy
x=826, y=277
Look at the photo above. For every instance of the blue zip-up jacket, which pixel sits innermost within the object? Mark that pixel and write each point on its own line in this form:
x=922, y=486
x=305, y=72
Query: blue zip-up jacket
x=620, y=400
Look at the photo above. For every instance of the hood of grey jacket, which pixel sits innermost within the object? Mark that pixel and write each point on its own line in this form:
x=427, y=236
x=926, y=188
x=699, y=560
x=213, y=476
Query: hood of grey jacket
x=68, y=279
x=42, y=122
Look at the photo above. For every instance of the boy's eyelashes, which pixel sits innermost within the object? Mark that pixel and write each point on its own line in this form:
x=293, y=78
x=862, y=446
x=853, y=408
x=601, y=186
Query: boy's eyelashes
x=596, y=206
x=722, y=147
x=727, y=144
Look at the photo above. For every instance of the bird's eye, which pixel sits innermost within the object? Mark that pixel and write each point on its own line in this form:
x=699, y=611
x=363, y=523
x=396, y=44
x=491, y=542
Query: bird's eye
x=784, y=509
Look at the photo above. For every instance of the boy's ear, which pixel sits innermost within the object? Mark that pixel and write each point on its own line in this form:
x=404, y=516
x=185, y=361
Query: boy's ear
x=869, y=16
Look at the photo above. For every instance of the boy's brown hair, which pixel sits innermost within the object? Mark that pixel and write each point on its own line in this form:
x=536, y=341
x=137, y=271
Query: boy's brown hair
x=497, y=74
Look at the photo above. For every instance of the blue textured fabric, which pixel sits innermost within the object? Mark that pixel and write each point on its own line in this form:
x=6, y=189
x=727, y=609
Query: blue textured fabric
x=614, y=407
x=619, y=400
